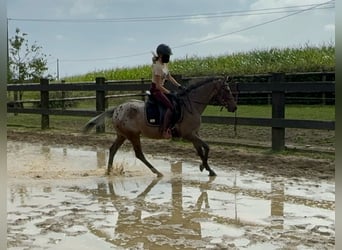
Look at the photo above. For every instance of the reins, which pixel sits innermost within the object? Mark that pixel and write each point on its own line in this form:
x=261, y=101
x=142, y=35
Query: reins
x=188, y=90
x=234, y=91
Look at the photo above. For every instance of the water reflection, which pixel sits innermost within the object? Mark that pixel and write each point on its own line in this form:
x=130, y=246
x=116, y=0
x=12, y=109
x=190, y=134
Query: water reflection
x=148, y=218
x=142, y=224
x=277, y=204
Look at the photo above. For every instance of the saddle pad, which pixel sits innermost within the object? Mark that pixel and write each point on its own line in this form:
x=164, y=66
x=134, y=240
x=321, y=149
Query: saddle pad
x=152, y=114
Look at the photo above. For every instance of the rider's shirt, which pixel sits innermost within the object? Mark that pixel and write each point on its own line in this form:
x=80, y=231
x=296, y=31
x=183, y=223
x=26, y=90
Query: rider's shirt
x=159, y=69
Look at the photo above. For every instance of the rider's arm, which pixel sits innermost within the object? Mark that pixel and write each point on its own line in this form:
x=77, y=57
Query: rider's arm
x=173, y=80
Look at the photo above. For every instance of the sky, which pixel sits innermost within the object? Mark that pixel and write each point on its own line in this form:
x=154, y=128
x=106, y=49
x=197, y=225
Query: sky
x=80, y=36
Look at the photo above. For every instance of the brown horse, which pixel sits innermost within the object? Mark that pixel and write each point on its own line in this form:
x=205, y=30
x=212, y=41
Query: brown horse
x=129, y=120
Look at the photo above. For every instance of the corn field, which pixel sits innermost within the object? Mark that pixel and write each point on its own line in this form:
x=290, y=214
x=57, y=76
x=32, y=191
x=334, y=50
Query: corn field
x=289, y=60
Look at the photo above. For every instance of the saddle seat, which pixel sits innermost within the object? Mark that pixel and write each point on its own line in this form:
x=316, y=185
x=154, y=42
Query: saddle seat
x=155, y=111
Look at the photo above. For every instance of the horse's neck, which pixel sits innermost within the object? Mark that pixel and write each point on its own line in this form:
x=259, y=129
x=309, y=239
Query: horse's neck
x=201, y=96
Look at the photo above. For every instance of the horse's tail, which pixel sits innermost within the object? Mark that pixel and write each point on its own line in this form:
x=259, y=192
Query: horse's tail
x=98, y=120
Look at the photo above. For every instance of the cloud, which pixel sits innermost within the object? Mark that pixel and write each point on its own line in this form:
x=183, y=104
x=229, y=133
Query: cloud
x=241, y=22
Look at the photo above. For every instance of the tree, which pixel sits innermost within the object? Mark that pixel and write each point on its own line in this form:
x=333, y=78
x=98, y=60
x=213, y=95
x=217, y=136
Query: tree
x=25, y=60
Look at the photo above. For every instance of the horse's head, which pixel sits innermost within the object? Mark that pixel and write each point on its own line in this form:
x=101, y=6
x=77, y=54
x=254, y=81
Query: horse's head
x=224, y=95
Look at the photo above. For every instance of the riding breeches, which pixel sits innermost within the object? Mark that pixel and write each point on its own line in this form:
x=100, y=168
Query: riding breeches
x=161, y=97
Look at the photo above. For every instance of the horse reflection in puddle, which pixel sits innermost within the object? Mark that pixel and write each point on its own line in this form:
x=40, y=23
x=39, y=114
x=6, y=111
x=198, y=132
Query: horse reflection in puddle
x=154, y=225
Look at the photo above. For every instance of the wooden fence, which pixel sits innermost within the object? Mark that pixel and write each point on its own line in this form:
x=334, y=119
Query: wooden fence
x=276, y=87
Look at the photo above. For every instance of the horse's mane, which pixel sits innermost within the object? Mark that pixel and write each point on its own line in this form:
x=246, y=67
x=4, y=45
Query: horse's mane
x=200, y=83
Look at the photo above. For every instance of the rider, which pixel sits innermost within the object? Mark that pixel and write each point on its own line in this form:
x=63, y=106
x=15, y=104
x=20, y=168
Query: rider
x=160, y=73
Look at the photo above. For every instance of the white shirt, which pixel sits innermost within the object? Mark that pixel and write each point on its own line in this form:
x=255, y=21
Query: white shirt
x=159, y=69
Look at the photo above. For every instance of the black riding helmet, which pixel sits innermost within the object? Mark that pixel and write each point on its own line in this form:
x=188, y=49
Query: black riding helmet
x=164, y=50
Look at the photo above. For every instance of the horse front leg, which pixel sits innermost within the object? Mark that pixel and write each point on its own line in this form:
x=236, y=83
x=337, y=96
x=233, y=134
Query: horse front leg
x=202, y=149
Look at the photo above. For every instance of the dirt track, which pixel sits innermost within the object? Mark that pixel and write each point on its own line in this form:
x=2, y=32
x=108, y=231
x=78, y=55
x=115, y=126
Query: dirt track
x=309, y=165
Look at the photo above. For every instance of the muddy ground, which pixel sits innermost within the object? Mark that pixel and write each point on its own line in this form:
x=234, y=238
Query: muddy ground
x=310, y=152
x=60, y=198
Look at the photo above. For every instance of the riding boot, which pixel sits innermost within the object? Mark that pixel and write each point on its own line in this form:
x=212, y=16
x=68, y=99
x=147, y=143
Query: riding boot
x=166, y=124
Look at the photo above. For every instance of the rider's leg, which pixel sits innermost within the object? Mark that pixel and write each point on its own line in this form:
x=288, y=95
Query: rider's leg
x=168, y=114
x=166, y=124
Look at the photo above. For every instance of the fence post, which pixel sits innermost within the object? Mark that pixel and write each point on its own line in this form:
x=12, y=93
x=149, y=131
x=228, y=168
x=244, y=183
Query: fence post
x=278, y=111
x=324, y=78
x=100, y=101
x=63, y=97
x=44, y=103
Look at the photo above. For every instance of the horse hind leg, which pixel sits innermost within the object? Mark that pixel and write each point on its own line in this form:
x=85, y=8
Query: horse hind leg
x=112, y=151
x=139, y=154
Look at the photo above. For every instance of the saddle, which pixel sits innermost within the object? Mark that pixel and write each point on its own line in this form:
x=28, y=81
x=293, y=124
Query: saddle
x=155, y=111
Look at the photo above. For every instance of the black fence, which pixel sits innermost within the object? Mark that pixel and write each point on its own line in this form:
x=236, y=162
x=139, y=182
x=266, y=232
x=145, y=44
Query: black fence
x=275, y=88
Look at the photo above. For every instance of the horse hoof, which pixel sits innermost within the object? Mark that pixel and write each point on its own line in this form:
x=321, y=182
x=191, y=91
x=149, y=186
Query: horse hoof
x=201, y=167
x=109, y=171
x=212, y=173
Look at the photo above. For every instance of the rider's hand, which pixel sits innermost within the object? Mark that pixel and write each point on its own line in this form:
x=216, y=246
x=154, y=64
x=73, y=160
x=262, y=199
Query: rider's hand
x=180, y=87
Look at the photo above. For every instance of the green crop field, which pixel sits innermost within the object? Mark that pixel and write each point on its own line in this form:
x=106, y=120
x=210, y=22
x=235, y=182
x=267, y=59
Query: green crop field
x=302, y=59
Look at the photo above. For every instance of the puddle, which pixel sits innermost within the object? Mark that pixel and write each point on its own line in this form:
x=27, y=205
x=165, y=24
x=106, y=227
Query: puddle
x=59, y=198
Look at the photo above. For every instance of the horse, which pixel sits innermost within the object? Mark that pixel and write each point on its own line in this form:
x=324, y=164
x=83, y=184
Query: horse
x=130, y=122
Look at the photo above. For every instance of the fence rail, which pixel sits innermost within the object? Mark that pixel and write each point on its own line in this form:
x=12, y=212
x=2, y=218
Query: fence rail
x=276, y=86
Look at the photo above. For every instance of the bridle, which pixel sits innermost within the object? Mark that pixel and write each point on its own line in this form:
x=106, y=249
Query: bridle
x=222, y=96
x=225, y=95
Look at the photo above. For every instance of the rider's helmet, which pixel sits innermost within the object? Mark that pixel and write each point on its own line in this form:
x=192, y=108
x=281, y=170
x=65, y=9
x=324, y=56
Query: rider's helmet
x=164, y=50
